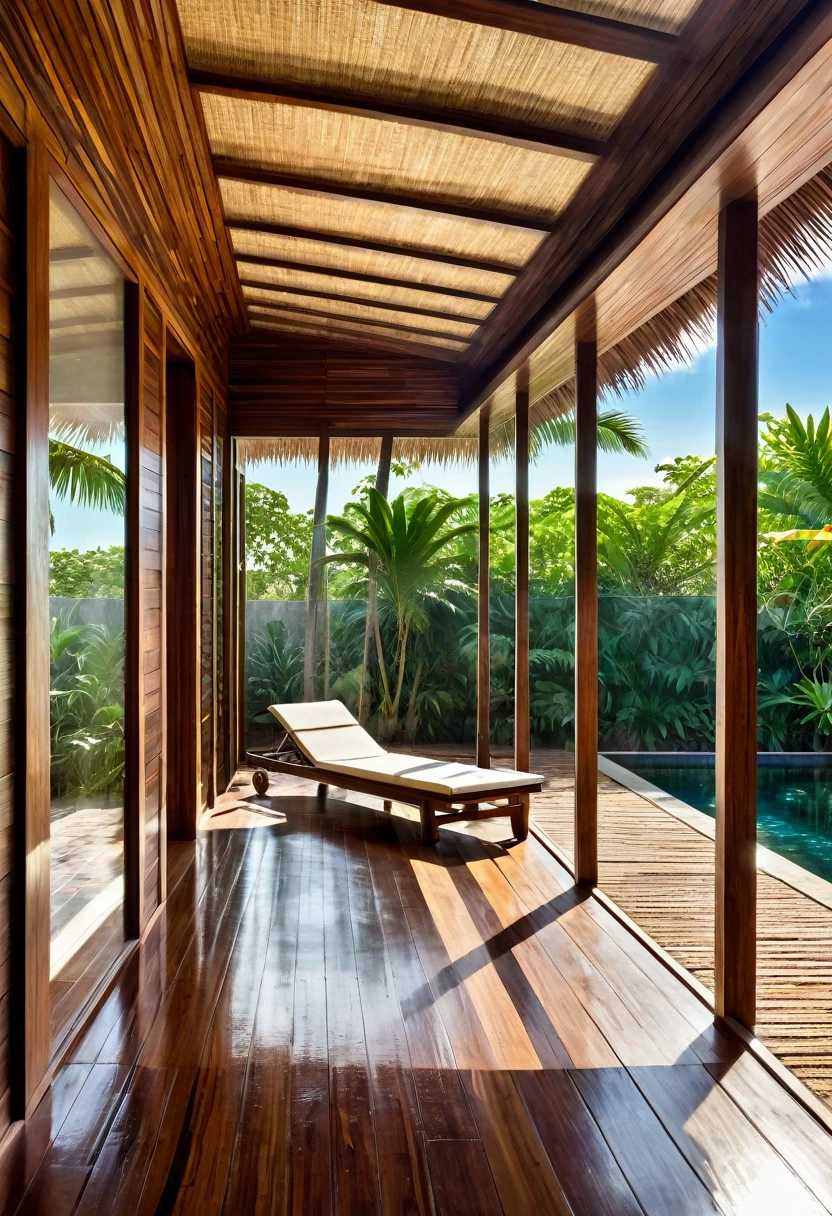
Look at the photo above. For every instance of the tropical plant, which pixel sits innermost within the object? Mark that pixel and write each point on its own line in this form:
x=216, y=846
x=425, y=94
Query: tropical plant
x=410, y=540
x=278, y=542
x=88, y=573
x=274, y=671
x=86, y=479
x=617, y=432
x=815, y=695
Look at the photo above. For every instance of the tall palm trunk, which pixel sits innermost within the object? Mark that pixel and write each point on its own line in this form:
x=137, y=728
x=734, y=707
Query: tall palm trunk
x=315, y=606
x=371, y=628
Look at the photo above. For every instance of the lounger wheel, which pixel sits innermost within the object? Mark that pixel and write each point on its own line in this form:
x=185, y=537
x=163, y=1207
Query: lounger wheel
x=260, y=781
x=322, y=792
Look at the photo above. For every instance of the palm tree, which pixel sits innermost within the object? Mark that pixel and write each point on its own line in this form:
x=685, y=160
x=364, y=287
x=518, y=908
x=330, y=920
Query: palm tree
x=796, y=469
x=82, y=477
x=617, y=432
x=407, y=541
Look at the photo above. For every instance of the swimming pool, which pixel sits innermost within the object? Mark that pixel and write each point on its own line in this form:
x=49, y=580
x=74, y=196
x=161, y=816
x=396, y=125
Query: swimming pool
x=794, y=802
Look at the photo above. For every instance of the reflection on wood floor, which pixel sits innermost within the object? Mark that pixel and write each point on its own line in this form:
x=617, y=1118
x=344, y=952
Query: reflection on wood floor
x=331, y=1018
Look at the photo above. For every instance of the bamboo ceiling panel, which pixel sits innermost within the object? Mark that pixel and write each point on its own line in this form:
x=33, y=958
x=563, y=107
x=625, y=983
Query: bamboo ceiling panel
x=359, y=311
x=371, y=221
x=301, y=324
x=388, y=156
x=327, y=285
x=400, y=55
x=368, y=261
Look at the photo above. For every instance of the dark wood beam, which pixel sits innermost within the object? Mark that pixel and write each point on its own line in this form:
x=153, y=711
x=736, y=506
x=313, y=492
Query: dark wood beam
x=573, y=263
x=411, y=114
x=736, y=619
x=241, y=171
x=364, y=303
x=383, y=342
x=76, y=293
x=484, y=598
x=356, y=276
x=522, y=723
x=341, y=317
x=351, y=242
x=555, y=24
x=586, y=605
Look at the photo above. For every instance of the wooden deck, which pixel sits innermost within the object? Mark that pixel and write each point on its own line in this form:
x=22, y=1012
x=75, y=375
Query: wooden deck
x=330, y=1018
x=661, y=873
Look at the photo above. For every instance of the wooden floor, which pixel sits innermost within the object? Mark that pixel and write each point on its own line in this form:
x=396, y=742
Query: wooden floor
x=331, y=1018
x=661, y=873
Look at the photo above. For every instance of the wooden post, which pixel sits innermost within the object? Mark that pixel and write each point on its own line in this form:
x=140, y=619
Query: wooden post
x=736, y=643
x=522, y=738
x=586, y=603
x=484, y=599
x=318, y=550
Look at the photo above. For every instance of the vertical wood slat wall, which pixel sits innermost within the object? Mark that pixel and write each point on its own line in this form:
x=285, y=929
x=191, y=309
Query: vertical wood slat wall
x=8, y=255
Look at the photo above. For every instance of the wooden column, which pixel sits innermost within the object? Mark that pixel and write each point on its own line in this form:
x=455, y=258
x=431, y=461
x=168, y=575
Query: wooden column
x=484, y=599
x=522, y=744
x=30, y=982
x=315, y=584
x=586, y=603
x=736, y=645
x=134, y=605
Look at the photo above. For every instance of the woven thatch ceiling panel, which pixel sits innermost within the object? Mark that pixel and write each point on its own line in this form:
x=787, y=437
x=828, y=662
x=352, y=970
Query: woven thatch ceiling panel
x=304, y=324
x=327, y=285
x=667, y=15
x=398, y=54
x=368, y=261
x=372, y=221
x=360, y=311
x=387, y=156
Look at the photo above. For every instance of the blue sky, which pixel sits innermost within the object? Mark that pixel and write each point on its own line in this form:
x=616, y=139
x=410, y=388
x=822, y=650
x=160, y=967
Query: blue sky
x=676, y=411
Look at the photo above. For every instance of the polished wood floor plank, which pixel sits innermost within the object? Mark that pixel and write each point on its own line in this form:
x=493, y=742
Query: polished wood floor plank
x=309, y=1117
x=659, y=1176
x=732, y=1159
x=587, y=1170
x=300, y=1033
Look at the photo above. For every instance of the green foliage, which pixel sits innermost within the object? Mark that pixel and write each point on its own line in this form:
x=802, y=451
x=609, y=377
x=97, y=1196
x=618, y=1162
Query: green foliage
x=87, y=574
x=86, y=479
x=617, y=432
x=278, y=542
x=86, y=708
x=274, y=671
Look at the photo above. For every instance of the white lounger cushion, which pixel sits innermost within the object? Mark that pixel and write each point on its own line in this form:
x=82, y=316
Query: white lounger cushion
x=328, y=734
x=326, y=731
x=447, y=777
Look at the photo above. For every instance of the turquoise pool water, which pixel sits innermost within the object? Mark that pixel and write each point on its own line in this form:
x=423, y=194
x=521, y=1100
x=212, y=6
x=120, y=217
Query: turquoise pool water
x=794, y=805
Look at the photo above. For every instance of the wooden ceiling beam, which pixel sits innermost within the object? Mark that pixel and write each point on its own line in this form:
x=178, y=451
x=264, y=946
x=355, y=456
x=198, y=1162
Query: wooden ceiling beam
x=542, y=20
x=265, y=333
x=242, y=171
x=341, y=318
x=411, y=114
x=351, y=242
x=356, y=276
x=360, y=300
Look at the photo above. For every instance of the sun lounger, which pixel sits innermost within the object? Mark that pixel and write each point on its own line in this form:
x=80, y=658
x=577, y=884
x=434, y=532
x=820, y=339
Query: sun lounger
x=323, y=742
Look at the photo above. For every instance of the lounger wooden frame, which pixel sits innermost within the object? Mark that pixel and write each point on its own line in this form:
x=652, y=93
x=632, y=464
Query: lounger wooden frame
x=434, y=809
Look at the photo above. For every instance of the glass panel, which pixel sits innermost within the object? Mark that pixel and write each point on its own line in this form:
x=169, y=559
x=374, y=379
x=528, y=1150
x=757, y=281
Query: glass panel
x=502, y=584
x=87, y=505
x=656, y=641
x=794, y=705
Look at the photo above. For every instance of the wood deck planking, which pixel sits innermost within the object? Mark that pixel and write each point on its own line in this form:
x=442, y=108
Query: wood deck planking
x=321, y=964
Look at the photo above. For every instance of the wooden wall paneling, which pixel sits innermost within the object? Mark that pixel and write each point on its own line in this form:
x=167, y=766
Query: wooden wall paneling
x=12, y=327
x=206, y=575
x=522, y=718
x=484, y=599
x=34, y=800
x=182, y=592
x=134, y=599
x=151, y=457
x=736, y=640
x=586, y=605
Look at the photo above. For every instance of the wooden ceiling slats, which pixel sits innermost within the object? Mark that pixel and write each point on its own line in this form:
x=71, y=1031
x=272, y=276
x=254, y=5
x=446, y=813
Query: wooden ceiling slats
x=265, y=285
x=335, y=238
x=336, y=272
x=242, y=171
x=382, y=342
x=342, y=318
x=437, y=118
x=542, y=20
